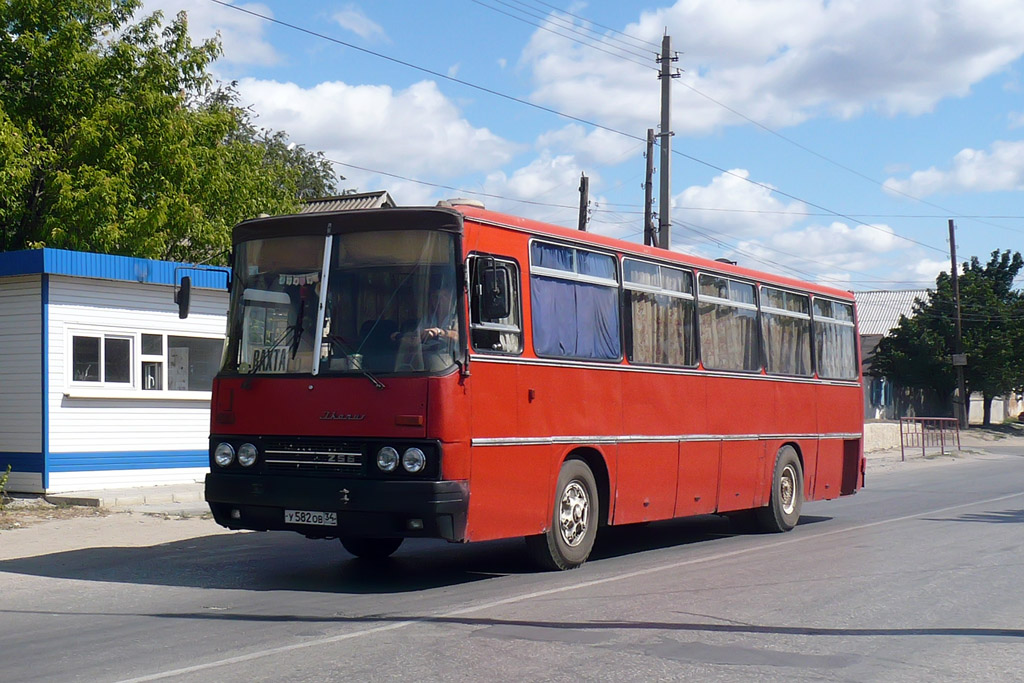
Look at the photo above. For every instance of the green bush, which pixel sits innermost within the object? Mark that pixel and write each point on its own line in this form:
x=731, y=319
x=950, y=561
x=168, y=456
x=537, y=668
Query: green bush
x=3, y=487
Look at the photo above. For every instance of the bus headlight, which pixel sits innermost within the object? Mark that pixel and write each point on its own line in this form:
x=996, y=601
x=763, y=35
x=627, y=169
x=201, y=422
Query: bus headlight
x=247, y=455
x=387, y=459
x=413, y=460
x=224, y=454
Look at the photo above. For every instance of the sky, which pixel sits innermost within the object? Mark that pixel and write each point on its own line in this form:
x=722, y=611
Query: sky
x=830, y=140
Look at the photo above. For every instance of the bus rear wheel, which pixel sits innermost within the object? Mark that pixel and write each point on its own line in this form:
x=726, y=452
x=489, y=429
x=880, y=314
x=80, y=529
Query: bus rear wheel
x=570, y=538
x=783, y=511
x=371, y=548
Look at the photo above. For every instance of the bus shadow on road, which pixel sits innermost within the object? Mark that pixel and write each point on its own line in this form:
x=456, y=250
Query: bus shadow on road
x=990, y=517
x=618, y=541
x=282, y=561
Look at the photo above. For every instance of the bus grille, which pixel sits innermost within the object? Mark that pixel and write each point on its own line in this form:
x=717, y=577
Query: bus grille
x=312, y=456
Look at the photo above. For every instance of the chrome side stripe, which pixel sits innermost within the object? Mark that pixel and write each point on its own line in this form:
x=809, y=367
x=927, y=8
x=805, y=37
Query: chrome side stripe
x=656, y=438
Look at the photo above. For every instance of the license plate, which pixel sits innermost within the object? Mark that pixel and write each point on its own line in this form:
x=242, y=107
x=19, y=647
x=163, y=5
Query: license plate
x=313, y=517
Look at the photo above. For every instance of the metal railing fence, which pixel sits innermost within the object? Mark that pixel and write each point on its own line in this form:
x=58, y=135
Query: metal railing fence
x=928, y=432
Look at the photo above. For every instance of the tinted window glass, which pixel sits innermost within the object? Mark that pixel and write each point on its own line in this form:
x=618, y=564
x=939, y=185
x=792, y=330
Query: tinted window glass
x=117, y=360
x=85, y=354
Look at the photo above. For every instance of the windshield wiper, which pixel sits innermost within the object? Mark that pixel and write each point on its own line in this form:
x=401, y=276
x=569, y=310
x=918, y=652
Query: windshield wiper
x=297, y=328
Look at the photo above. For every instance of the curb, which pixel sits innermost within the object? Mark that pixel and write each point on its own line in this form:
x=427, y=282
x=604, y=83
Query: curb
x=114, y=500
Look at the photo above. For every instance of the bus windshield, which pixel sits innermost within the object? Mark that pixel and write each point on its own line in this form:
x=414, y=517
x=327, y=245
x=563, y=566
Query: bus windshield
x=390, y=305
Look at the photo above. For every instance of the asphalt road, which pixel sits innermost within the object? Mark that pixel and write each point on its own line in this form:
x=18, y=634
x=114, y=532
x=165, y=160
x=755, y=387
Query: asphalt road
x=916, y=578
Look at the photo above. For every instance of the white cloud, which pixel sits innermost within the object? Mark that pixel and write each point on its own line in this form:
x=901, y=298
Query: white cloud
x=837, y=253
x=414, y=132
x=598, y=147
x=972, y=170
x=734, y=207
x=550, y=182
x=241, y=34
x=925, y=271
x=352, y=18
x=785, y=61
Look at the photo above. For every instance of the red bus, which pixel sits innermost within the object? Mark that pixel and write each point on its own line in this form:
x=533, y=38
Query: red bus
x=456, y=373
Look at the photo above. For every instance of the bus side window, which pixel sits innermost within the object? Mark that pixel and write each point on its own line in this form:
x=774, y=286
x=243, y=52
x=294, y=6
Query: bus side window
x=494, y=310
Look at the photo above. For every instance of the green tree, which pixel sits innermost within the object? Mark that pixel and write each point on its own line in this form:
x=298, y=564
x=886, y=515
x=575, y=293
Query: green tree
x=113, y=137
x=917, y=353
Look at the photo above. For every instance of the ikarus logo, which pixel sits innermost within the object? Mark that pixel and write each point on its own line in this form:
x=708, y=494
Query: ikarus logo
x=332, y=415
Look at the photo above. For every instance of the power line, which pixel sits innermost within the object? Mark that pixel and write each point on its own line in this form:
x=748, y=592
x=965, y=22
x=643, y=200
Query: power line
x=566, y=27
x=640, y=42
x=549, y=110
x=437, y=74
x=773, y=131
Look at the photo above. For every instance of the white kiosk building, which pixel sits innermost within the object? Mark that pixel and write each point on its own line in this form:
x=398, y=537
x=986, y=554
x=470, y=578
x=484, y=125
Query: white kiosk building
x=101, y=384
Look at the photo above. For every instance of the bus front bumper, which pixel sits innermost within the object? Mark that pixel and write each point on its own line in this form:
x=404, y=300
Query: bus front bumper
x=364, y=508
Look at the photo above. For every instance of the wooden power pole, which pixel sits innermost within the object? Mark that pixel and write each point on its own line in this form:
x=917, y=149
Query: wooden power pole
x=665, y=192
x=584, y=201
x=962, y=404
x=649, y=236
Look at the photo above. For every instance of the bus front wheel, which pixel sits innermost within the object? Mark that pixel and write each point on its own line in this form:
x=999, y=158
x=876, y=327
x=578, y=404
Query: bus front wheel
x=787, y=496
x=371, y=548
x=570, y=538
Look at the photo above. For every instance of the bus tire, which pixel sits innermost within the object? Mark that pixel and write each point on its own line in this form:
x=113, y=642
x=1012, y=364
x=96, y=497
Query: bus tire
x=570, y=538
x=371, y=548
x=783, y=510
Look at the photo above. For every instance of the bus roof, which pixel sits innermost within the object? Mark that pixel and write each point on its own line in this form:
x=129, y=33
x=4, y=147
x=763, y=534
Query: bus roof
x=447, y=218
x=632, y=248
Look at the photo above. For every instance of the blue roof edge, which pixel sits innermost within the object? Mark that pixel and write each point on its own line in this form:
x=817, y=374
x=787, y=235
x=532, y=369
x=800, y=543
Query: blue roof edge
x=108, y=267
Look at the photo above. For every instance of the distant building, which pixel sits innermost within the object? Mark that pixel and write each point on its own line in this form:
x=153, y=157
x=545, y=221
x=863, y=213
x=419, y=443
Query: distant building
x=878, y=312
x=102, y=384
x=347, y=202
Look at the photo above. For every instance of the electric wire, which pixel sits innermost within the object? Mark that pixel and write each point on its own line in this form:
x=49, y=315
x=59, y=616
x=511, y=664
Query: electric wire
x=639, y=41
x=848, y=169
x=844, y=167
x=621, y=54
x=584, y=25
x=550, y=110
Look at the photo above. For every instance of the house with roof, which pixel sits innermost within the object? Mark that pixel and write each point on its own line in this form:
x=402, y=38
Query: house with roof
x=347, y=202
x=878, y=312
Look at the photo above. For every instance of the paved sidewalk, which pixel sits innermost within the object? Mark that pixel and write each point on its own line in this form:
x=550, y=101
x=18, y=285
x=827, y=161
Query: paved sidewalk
x=172, y=499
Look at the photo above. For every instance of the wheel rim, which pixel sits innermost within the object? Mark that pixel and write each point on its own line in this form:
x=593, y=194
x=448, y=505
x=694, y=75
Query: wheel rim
x=787, y=489
x=574, y=513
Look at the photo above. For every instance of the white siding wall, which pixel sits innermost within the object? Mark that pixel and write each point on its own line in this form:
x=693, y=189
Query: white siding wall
x=123, y=424
x=63, y=482
x=21, y=374
x=20, y=365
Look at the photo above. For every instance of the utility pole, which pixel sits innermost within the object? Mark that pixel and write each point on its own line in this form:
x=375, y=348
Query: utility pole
x=666, y=76
x=962, y=405
x=649, y=236
x=584, y=201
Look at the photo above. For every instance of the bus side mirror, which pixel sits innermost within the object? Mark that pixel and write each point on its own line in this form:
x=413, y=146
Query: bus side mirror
x=182, y=296
x=495, y=303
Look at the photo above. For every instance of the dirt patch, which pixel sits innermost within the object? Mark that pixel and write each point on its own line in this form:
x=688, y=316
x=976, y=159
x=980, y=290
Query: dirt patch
x=19, y=513
x=1009, y=430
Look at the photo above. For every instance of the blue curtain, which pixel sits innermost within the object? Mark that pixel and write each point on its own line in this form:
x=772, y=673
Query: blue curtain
x=599, y=265
x=597, y=316
x=574, y=320
x=552, y=256
x=554, y=316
